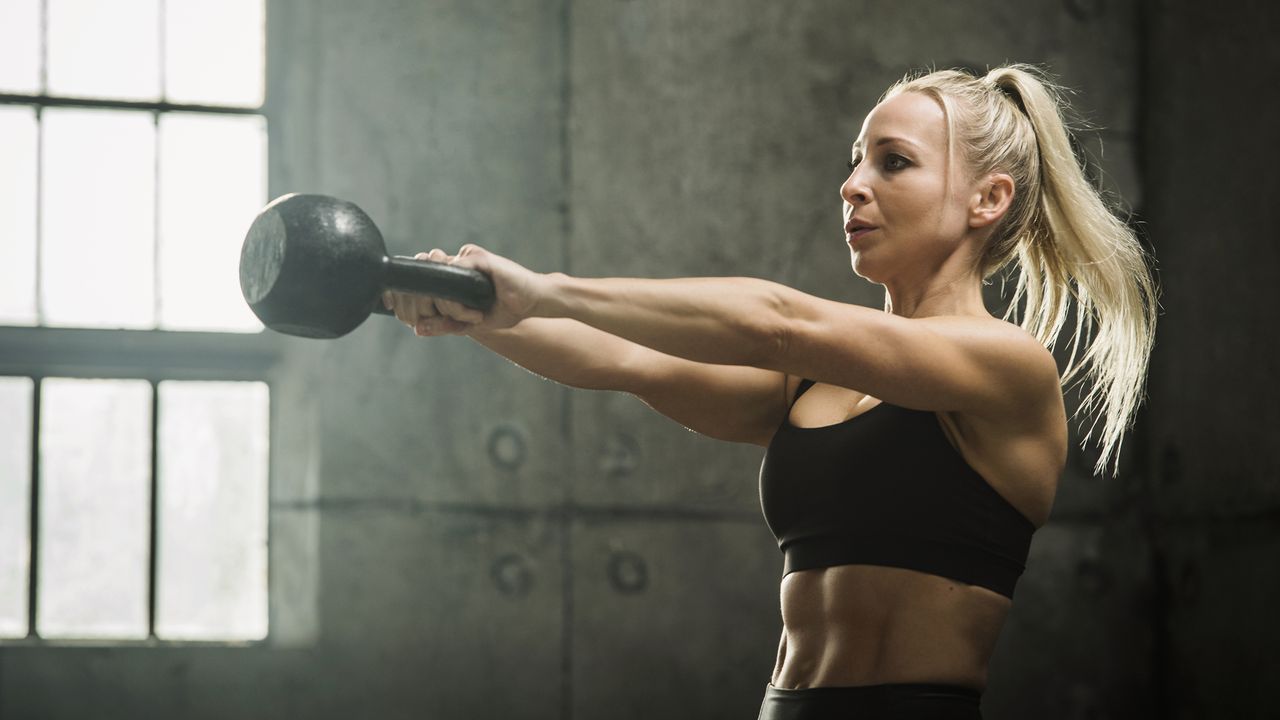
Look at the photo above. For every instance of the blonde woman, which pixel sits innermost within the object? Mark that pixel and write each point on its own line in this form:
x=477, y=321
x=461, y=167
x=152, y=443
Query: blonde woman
x=910, y=453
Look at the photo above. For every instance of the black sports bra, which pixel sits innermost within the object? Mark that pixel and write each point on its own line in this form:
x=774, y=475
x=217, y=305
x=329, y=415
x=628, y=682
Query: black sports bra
x=886, y=487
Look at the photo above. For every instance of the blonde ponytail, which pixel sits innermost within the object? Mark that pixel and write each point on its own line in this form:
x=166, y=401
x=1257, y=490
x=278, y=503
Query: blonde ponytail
x=1067, y=242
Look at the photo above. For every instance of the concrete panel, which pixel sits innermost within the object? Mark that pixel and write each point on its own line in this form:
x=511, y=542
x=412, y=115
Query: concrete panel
x=443, y=120
x=1222, y=626
x=441, y=614
x=673, y=618
x=295, y=423
x=294, y=583
x=1078, y=641
x=187, y=682
x=439, y=419
x=628, y=454
x=1215, y=403
x=1213, y=415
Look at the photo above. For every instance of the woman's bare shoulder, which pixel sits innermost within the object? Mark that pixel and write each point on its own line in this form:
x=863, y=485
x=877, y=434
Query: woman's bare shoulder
x=1022, y=366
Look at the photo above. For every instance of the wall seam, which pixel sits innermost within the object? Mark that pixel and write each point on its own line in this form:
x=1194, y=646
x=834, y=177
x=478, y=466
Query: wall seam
x=1160, y=589
x=567, y=514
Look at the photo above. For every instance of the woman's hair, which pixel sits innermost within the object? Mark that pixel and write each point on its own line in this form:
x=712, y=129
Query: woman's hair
x=1065, y=239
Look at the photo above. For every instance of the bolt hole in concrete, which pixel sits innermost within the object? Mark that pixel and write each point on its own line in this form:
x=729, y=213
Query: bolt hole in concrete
x=512, y=575
x=507, y=447
x=628, y=573
x=620, y=457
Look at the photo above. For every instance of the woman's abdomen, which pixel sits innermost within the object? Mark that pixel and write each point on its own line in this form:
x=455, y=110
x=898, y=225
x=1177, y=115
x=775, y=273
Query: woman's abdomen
x=868, y=625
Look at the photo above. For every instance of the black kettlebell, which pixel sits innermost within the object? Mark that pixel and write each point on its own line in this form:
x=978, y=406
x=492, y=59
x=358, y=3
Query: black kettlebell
x=316, y=266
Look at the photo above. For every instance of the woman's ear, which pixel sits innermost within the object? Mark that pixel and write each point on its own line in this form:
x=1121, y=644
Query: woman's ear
x=995, y=194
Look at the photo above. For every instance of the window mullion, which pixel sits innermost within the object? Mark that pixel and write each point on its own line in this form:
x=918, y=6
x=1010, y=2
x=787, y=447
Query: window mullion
x=153, y=566
x=155, y=223
x=39, y=284
x=33, y=525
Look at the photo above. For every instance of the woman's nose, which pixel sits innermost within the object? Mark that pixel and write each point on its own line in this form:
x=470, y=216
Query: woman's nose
x=854, y=191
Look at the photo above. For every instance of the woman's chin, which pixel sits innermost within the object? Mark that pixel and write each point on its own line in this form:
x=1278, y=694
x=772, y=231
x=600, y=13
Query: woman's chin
x=861, y=267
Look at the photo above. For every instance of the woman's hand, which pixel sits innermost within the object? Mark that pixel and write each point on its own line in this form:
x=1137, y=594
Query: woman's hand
x=517, y=291
x=419, y=312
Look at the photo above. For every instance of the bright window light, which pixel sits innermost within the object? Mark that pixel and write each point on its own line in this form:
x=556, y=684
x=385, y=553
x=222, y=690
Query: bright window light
x=213, y=511
x=17, y=215
x=20, y=46
x=101, y=49
x=214, y=52
x=95, y=490
x=98, y=212
x=15, y=505
x=212, y=184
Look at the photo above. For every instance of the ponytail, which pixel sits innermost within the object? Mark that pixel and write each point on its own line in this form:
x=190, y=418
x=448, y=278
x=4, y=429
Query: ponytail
x=1065, y=240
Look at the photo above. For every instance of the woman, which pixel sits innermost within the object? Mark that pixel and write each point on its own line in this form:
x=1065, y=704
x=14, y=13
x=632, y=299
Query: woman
x=904, y=532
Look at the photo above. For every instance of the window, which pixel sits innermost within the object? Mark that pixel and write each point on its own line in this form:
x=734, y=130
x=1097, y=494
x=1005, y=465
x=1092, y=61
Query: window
x=134, y=397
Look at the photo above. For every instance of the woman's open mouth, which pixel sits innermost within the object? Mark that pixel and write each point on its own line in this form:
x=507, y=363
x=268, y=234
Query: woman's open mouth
x=852, y=236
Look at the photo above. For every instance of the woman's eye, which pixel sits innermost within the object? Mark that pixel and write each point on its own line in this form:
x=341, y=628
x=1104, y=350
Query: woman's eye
x=853, y=165
x=895, y=162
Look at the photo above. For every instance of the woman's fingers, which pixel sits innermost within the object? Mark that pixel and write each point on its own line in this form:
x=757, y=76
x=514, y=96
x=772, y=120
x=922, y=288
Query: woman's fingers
x=425, y=306
x=406, y=309
x=439, y=325
x=429, y=316
x=459, y=312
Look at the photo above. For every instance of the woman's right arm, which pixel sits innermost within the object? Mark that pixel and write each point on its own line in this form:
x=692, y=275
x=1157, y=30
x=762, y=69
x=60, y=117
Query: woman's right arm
x=726, y=402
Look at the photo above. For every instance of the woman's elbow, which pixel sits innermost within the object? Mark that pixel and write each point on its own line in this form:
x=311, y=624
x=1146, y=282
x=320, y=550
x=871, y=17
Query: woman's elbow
x=773, y=330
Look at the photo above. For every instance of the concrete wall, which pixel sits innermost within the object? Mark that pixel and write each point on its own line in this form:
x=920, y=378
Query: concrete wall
x=453, y=538
x=1212, y=503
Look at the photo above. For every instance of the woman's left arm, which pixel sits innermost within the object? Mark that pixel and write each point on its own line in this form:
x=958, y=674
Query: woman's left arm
x=940, y=363
x=972, y=365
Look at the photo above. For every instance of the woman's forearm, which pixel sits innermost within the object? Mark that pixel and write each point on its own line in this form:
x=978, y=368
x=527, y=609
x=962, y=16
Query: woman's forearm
x=728, y=321
x=567, y=352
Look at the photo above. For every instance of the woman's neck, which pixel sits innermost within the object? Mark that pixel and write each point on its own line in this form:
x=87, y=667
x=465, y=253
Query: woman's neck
x=936, y=296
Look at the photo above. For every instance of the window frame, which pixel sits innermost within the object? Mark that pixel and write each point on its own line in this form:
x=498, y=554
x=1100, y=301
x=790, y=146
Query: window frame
x=154, y=355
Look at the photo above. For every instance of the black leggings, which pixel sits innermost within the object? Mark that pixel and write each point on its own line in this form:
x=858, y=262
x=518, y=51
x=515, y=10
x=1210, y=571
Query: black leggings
x=899, y=701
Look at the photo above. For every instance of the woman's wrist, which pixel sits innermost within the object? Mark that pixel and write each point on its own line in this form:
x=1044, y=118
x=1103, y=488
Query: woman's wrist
x=551, y=301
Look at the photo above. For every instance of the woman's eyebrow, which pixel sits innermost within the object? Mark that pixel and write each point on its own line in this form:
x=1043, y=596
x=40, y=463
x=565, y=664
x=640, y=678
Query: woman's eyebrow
x=857, y=144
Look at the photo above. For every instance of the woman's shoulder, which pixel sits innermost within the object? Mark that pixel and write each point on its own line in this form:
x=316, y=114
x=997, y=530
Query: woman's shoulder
x=1014, y=358
x=994, y=336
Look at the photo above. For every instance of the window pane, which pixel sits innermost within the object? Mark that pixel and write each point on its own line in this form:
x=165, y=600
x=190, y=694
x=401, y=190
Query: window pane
x=98, y=213
x=104, y=49
x=213, y=511
x=17, y=214
x=95, y=462
x=212, y=184
x=214, y=52
x=15, y=508
x=20, y=46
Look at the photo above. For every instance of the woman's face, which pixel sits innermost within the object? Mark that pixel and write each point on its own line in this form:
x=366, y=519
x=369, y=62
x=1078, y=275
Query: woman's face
x=898, y=186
